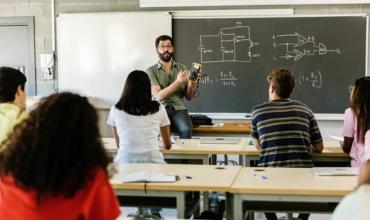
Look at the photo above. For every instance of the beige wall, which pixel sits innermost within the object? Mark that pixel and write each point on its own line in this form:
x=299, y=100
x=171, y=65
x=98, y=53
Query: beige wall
x=41, y=10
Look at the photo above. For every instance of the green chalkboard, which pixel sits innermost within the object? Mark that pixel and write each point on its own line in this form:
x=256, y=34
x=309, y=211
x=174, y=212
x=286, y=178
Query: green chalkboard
x=325, y=53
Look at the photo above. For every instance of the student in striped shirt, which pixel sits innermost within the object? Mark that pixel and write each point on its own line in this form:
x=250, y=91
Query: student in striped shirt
x=284, y=130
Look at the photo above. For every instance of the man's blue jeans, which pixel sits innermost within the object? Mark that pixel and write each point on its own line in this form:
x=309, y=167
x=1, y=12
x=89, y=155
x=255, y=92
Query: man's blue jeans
x=180, y=122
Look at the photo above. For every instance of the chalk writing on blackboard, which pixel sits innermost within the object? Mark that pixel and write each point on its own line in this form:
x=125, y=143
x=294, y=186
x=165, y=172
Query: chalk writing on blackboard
x=231, y=44
x=227, y=79
x=296, y=46
x=313, y=79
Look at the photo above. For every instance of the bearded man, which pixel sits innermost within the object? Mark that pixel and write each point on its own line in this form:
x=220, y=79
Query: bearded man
x=170, y=84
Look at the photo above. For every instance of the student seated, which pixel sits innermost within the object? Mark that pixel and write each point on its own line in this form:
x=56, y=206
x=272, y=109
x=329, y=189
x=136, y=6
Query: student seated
x=355, y=206
x=137, y=121
x=357, y=121
x=12, y=100
x=284, y=130
x=54, y=165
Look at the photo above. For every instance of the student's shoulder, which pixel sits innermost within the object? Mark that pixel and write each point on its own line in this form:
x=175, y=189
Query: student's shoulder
x=349, y=111
x=296, y=102
x=114, y=111
x=261, y=106
x=98, y=176
x=113, y=108
x=302, y=105
x=351, y=205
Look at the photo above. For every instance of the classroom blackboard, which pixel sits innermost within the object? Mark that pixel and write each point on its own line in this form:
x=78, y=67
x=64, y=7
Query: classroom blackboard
x=325, y=53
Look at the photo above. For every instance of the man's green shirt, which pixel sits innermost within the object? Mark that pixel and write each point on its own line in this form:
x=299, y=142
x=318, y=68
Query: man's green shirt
x=158, y=76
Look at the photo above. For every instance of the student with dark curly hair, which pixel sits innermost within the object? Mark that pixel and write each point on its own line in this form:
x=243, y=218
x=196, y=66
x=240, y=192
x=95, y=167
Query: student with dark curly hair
x=54, y=165
x=12, y=100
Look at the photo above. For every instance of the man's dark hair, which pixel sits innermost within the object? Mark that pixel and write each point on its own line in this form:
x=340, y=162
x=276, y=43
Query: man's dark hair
x=55, y=150
x=163, y=38
x=283, y=80
x=10, y=79
x=136, y=98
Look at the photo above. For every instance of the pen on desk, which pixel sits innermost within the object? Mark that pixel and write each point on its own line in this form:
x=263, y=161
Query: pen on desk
x=261, y=176
x=264, y=177
x=188, y=177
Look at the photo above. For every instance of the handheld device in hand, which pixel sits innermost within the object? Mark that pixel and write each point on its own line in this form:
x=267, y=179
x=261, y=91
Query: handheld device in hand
x=195, y=69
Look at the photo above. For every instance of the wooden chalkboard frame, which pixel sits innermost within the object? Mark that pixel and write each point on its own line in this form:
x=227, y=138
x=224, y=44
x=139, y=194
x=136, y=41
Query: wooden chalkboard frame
x=239, y=14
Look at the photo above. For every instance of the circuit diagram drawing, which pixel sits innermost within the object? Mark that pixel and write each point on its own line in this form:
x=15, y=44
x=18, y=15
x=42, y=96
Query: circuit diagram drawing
x=295, y=46
x=231, y=44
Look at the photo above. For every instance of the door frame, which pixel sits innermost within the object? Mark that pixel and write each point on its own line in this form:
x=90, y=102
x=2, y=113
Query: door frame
x=30, y=70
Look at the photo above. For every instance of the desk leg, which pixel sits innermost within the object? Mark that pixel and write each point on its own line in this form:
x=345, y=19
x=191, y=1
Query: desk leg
x=248, y=159
x=180, y=205
x=205, y=200
x=207, y=160
x=234, y=207
x=241, y=161
x=213, y=159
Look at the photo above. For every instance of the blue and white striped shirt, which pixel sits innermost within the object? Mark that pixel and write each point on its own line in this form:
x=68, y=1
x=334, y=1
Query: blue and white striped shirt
x=285, y=129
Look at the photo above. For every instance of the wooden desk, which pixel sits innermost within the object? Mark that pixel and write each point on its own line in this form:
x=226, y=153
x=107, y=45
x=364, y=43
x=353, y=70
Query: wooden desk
x=226, y=128
x=203, y=178
x=285, y=185
x=202, y=152
x=110, y=146
x=194, y=151
x=332, y=153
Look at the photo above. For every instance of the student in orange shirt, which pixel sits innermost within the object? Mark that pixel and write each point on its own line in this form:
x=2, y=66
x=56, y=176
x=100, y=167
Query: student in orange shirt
x=54, y=165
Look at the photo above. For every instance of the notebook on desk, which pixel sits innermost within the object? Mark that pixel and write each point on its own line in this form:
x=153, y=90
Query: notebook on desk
x=185, y=143
x=335, y=171
x=219, y=140
x=148, y=176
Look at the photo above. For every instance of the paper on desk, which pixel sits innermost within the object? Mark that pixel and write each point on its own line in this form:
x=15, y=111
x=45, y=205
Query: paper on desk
x=337, y=138
x=149, y=176
x=335, y=171
x=218, y=125
x=214, y=125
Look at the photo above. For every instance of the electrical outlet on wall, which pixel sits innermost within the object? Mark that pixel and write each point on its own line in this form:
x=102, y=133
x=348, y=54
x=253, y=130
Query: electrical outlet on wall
x=47, y=65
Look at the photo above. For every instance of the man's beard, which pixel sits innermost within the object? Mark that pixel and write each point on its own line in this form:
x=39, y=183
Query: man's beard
x=166, y=57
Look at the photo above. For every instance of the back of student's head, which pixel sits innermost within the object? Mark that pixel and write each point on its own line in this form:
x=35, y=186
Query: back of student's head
x=55, y=150
x=283, y=80
x=163, y=38
x=10, y=79
x=360, y=103
x=136, y=98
